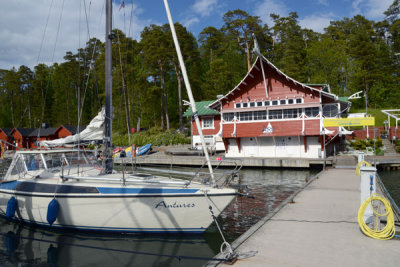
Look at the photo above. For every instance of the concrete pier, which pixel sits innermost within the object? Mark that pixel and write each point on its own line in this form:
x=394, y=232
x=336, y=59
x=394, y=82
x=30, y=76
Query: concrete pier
x=319, y=228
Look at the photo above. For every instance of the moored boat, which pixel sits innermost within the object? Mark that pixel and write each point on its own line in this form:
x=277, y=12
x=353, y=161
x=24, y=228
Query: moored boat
x=68, y=189
x=90, y=200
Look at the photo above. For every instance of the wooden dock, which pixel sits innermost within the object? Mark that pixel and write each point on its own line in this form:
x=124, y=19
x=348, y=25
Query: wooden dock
x=162, y=158
x=319, y=228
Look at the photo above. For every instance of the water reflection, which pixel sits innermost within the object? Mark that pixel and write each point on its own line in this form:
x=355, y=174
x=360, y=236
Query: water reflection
x=391, y=180
x=24, y=245
x=268, y=188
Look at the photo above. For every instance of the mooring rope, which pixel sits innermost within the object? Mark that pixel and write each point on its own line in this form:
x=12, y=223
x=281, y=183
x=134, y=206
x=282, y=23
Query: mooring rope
x=226, y=248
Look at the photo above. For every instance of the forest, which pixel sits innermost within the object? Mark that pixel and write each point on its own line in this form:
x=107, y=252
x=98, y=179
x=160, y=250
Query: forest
x=351, y=55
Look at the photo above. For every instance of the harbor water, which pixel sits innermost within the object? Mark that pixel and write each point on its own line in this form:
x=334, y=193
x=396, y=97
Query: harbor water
x=22, y=245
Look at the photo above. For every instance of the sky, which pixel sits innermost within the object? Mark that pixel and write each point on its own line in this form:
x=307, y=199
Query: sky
x=42, y=31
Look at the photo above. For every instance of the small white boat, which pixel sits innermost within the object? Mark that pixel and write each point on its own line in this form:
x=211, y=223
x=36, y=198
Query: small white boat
x=89, y=200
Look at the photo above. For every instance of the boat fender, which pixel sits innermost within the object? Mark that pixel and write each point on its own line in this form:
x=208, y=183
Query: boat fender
x=12, y=205
x=52, y=211
x=12, y=242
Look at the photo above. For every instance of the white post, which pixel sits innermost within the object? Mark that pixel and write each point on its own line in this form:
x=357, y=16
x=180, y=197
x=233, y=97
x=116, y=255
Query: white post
x=360, y=157
x=368, y=187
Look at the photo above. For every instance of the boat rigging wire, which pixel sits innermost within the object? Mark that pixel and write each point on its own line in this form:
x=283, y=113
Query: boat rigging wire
x=52, y=59
x=44, y=32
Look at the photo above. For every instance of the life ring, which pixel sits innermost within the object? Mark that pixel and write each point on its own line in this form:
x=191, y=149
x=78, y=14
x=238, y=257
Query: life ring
x=362, y=163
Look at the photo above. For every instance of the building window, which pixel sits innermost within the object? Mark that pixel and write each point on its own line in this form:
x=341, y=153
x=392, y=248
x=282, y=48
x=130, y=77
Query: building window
x=228, y=116
x=246, y=116
x=290, y=101
x=266, y=103
x=275, y=114
x=290, y=113
x=259, y=104
x=299, y=100
x=252, y=104
x=311, y=112
x=260, y=115
x=237, y=105
x=330, y=110
x=244, y=105
x=274, y=102
x=283, y=102
x=208, y=123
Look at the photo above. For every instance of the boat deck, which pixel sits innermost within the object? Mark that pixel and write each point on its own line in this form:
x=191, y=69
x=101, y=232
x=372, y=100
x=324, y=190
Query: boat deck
x=319, y=228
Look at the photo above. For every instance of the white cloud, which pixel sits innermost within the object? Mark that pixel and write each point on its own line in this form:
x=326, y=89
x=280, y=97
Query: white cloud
x=318, y=22
x=23, y=23
x=372, y=9
x=190, y=21
x=264, y=8
x=323, y=2
x=204, y=7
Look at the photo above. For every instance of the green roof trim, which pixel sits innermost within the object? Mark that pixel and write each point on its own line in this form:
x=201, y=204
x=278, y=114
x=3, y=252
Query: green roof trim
x=202, y=109
x=344, y=99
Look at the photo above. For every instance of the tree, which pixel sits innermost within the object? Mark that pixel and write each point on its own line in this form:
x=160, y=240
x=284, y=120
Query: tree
x=241, y=26
x=155, y=45
x=289, y=46
x=211, y=41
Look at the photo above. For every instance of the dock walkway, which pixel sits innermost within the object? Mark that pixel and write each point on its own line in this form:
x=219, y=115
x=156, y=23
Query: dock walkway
x=319, y=229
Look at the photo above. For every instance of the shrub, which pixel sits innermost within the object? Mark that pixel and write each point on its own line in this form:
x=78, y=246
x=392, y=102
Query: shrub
x=362, y=144
x=379, y=152
x=154, y=136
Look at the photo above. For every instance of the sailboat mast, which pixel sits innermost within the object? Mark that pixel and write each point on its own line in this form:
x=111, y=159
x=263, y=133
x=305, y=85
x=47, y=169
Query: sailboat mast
x=189, y=91
x=108, y=89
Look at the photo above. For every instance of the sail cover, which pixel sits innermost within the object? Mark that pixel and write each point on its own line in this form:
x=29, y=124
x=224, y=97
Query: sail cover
x=93, y=132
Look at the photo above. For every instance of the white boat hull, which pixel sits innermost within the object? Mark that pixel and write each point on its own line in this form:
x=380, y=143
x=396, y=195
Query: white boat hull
x=181, y=210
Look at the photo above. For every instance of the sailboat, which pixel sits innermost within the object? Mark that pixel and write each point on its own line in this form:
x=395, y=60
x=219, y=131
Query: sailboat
x=68, y=189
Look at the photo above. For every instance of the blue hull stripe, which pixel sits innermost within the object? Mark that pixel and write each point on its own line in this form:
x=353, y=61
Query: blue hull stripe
x=116, y=229
x=9, y=185
x=42, y=188
x=124, y=190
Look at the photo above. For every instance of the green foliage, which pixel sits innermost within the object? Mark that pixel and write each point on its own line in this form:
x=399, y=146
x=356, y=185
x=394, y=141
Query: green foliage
x=351, y=55
x=362, y=144
x=155, y=136
x=379, y=152
x=374, y=112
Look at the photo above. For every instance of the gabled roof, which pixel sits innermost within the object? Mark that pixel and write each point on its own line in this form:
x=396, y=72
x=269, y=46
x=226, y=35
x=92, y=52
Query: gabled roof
x=264, y=60
x=72, y=129
x=6, y=131
x=43, y=132
x=32, y=132
x=202, y=109
x=25, y=132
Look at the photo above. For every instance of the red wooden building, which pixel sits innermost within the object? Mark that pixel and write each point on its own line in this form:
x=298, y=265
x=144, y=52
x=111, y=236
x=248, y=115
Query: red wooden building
x=67, y=130
x=5, y=136
x=269, y=114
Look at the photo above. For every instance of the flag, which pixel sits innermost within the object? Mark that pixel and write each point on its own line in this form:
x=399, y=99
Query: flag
x=122, y=5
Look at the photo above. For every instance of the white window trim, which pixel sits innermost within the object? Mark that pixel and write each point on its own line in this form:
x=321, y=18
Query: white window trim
x=207, y=118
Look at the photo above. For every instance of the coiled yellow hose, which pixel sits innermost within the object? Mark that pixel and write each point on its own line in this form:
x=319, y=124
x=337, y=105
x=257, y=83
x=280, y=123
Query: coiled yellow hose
x=362, y=163
x=388, y=232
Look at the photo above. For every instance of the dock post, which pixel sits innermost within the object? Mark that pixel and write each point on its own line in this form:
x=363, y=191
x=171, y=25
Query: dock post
x=360, y=157
x=368, y=187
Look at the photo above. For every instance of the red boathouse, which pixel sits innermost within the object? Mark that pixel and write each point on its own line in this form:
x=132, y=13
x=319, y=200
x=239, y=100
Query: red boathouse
x=269, y=114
